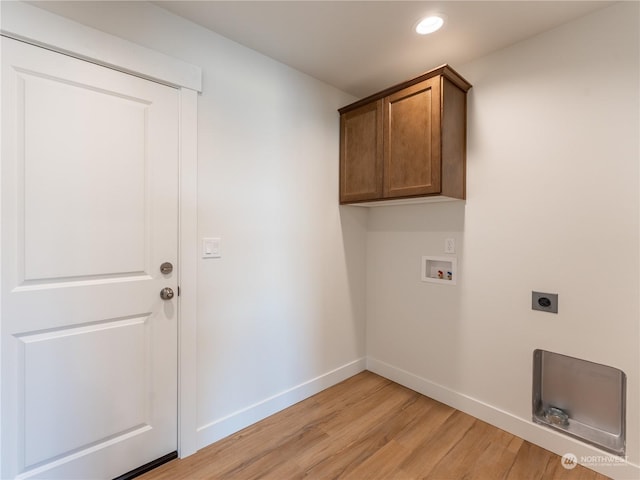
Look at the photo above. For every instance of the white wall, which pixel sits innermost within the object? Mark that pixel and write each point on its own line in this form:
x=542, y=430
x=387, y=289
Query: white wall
x=285, y=303
x=282, y=313
x=552, y=205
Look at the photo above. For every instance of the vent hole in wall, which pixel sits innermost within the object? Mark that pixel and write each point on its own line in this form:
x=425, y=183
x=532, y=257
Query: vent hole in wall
x=583, y=399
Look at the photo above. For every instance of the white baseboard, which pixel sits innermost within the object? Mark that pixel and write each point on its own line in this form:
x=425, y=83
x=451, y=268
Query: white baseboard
x=546, y=438
x=240, y=419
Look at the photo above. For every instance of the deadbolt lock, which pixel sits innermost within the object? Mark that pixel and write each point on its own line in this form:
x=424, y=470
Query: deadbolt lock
x=166, y=268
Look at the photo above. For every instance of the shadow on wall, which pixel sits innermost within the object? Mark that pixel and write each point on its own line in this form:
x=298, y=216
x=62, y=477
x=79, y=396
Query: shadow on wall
x=353, y=223
x=430, y=217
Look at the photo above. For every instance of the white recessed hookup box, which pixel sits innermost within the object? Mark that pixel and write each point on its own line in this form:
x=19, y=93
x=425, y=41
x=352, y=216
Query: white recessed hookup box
x=441, y=270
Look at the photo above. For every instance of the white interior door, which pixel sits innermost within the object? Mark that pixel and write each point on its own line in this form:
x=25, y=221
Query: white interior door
x=89, y=197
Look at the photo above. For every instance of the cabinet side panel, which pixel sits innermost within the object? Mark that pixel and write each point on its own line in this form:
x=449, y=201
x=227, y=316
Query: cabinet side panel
x=361, y=154
x=412, y=141
x=454, y=140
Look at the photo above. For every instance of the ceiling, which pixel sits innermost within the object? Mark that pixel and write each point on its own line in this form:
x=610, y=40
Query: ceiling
x=362, y=47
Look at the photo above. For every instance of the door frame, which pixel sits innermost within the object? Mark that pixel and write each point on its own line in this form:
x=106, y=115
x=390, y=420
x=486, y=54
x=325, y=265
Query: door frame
x=39, y=27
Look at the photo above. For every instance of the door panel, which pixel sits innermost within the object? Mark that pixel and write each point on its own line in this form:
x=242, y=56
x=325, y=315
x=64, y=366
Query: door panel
x=361, y=153
x=412, y=140
x=89, y=212
x=72, y=172
x=115, y=383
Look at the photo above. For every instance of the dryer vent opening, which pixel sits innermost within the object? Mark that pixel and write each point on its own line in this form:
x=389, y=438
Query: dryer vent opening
x=579, y=398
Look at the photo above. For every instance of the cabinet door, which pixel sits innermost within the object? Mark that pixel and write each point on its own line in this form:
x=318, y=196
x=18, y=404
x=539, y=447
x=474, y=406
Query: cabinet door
x=412, y=140
x=361, y=153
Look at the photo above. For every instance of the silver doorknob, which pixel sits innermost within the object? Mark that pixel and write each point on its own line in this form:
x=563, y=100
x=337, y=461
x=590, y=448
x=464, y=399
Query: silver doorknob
x=166, y=293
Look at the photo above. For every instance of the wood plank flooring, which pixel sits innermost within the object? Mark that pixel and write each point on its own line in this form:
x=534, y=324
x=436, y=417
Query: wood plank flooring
x=368, y=428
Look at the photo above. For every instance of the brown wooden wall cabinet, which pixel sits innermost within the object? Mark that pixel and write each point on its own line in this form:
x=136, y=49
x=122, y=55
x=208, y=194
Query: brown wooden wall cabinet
x=408, y=141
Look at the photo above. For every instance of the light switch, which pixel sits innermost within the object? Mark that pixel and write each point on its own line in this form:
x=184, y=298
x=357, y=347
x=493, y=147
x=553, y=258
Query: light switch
x=211, y=248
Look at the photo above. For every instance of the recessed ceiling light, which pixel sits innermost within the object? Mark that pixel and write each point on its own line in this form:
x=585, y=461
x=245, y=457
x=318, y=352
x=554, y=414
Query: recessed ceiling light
x=429, y=24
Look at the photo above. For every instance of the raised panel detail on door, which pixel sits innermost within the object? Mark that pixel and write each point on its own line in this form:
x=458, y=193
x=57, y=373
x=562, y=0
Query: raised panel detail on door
x=55, y=393
x=78, y=176
x=412, y=140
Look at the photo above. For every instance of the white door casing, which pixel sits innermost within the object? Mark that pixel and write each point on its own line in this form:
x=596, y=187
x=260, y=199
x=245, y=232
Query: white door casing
x=89, y=212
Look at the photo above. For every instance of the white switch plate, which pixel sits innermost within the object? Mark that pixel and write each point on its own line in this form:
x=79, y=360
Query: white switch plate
x=211, y=248
x=449, y=245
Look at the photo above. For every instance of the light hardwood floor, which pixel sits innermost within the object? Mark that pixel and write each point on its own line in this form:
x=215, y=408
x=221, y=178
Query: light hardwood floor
x=369, y=428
